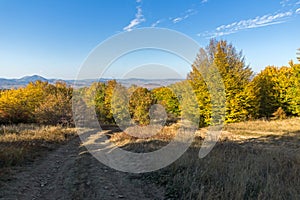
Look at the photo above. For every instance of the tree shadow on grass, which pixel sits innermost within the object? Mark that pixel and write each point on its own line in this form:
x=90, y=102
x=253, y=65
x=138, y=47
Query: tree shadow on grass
x=262, y=168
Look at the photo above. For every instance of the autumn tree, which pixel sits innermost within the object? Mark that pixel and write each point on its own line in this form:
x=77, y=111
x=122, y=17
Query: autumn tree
x=120, y=107
x=56, y=108
x=139, y=104
x=294, y=90
x=273, y=83
x=166, y=97
x=18, y=105
x=12, y=108
x=95, y=97
x=197, y=79
x=236, y=77
x=109, y=90
x=188, y=104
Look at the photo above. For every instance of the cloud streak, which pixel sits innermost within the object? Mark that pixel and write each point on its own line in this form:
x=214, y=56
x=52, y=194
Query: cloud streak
x=259, y=21
x=289, y=3
x=156, y=23
x=184, y=16
x=139, y=18
x=284, y=3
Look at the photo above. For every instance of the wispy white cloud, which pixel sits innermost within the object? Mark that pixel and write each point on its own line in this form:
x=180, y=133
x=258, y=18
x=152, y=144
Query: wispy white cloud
x=289, y=3
x=139, y=18
x=177, y=19
x=284, y=3
x=138, y=1
x=184, y=16
x=156, y=23
x=204, y=1
x=256, y=22
x=297, y=11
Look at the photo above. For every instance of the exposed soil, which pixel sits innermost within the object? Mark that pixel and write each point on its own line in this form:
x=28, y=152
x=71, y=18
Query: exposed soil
x=70, y=172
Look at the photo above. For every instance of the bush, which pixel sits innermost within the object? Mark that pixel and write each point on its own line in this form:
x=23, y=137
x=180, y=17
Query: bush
x=279, y=114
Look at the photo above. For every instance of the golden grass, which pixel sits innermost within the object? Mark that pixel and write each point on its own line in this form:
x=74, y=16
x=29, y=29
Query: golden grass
x=165, y=134
x=19, y=143
x=264, y=126
x=253, y=160
x=232, y=171
x=286, y=131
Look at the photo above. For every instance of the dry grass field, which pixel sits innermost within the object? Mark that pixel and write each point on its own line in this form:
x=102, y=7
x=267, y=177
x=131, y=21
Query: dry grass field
x=252, y=160
x=21, y=143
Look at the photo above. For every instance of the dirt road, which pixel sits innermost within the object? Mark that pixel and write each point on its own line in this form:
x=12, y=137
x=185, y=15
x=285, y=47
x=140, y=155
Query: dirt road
x=70, y=172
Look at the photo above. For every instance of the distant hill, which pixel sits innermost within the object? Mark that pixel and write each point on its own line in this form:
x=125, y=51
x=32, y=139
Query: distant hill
x=27, y=79
x=21, y=82
x=147, y=83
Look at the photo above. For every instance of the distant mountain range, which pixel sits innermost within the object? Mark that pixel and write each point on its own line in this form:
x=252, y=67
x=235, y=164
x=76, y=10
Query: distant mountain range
x=21, y=82
x=147, y=83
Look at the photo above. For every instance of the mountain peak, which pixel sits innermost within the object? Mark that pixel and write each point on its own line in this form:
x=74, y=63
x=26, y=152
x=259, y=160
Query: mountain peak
x=32, y=78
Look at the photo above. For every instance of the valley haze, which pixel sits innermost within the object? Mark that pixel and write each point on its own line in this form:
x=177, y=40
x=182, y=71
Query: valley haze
x=148, y=83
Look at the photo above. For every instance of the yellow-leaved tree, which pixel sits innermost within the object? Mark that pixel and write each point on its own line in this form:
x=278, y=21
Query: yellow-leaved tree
x=272, y=86
x=241, y=103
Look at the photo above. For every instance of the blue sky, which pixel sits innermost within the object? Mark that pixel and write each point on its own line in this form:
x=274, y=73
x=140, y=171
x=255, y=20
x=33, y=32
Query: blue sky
x=52, y=38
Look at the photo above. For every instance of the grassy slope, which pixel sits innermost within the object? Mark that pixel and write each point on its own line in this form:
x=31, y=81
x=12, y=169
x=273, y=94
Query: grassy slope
x=252, y=160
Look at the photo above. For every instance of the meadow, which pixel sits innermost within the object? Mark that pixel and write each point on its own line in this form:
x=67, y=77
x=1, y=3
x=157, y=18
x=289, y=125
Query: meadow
x=252, y=160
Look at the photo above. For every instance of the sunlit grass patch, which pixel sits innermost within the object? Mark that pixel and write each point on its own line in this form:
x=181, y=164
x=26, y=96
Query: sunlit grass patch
x=19, y=143
x=252, y=160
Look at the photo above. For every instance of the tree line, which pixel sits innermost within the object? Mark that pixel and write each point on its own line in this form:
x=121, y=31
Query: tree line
x=38, y=102
x=272, y=93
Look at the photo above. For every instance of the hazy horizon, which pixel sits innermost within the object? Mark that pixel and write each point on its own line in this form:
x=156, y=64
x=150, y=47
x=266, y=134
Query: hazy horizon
x=109, y=78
